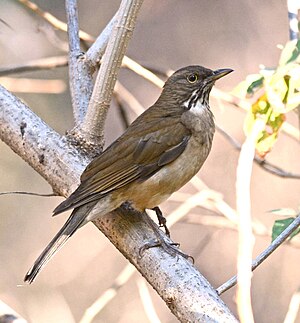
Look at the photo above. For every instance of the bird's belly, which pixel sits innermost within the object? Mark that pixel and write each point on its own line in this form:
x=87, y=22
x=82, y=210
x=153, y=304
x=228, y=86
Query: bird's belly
x=170, y=178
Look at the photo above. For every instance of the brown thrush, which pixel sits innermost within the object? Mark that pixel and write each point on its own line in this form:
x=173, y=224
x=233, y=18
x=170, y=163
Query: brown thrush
x=157, y=154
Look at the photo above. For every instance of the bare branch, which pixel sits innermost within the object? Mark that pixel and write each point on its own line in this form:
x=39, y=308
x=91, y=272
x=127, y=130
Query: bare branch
x=53, y=20
x=28, y=193
x=140, y=70
x=96, y=51
x=147, y=301
x=246, y=239
x=80, y=78
x=294, y=308
x=35, y=65
x=265, y=254
x=93, y=123
x=108, y=295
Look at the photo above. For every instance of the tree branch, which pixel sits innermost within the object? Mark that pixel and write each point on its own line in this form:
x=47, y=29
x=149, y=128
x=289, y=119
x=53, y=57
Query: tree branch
x=35, y=65
x=53, y=20
x=265, y=254
x=32, y=139
x=80, y=78
x=246, y=239
x=93, y=123
x=96, y=51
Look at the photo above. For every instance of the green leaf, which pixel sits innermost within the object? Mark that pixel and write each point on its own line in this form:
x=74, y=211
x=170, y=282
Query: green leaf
x=255, y=85
x=290, y=52
x=284, y=212
x=248, y=86
x=280, y=225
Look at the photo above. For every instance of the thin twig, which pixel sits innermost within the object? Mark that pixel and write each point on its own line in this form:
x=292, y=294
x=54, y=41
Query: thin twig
x=53, y=20
x=265, y=254
x=109, y=69
x=53, y=37
x=140, y=70
x=147, y=301
x=126, y=97
x=294, y=307
x=246, y=239
x=35, y=65
x=108, y=295
x=96, y=51
x=28, y=193
x=80, y=78
x=122, y=112
x=267, y=166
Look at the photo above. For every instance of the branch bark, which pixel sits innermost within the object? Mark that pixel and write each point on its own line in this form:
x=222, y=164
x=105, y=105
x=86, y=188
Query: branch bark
x=81, y=85
x=93, y=124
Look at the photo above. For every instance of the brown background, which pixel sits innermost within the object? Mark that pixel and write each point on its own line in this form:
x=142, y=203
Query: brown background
x=170, y=34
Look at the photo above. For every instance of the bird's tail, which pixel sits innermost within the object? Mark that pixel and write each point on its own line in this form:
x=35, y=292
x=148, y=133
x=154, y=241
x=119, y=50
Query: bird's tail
x=75, y=220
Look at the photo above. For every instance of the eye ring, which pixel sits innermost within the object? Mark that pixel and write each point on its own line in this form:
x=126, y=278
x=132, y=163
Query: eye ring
x=192, y=78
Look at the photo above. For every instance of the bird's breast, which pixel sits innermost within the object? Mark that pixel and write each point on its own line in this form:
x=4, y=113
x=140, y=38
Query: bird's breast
x=170, y=178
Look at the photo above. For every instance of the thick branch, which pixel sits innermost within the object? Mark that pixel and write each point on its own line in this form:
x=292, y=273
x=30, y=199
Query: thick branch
x=186, y=292
x=33, y=140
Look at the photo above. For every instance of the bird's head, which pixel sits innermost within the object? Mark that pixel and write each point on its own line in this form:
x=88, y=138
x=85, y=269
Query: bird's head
x=191, y=85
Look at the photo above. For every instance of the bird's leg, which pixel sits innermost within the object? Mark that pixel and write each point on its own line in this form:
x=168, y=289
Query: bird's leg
x=162, y=221
x=169, y=247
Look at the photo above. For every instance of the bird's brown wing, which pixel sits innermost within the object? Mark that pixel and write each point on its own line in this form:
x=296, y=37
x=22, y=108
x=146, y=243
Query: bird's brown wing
x=135, y=156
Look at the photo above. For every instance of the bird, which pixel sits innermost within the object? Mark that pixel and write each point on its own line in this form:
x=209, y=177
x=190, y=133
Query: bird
x=156, y=155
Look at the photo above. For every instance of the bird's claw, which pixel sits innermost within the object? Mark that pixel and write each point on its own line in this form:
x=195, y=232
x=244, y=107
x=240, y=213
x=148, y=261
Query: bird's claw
x=170, y=248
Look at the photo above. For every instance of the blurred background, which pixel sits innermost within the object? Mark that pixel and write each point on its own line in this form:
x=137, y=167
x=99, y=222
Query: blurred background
x=169, y=35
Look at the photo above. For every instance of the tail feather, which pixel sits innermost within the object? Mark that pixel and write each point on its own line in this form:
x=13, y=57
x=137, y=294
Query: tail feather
x=75, y=220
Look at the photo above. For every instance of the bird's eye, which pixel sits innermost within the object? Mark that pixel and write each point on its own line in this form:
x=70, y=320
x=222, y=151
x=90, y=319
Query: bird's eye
x=192, y=78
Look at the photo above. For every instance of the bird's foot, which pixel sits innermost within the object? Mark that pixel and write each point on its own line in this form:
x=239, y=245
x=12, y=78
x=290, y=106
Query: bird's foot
x=170, y=247
x=162, y=221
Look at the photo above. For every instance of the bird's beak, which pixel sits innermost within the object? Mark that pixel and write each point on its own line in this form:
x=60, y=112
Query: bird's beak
x=220, y=73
